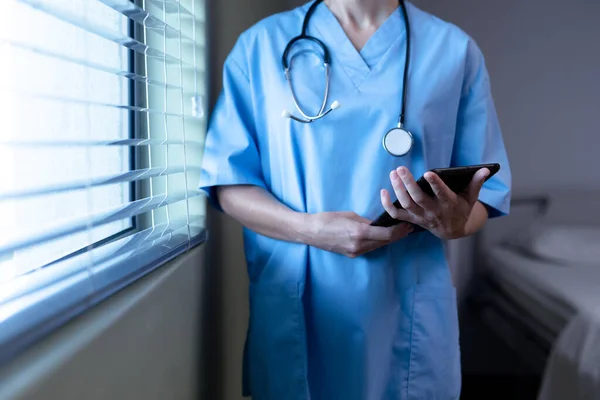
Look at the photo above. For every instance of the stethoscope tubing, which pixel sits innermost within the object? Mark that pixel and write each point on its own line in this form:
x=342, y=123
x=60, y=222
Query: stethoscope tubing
x=327, y=63
x=320, y=114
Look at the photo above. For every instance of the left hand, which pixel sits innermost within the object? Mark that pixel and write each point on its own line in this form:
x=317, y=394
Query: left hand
x=445, y=215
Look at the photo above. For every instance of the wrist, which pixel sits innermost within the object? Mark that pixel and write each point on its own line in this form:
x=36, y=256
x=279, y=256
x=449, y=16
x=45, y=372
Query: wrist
x=468, y=229
x=477, y=219
x=303, y=227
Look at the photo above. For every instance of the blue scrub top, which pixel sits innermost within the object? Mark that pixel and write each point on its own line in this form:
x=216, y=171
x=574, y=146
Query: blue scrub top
x=322, y=325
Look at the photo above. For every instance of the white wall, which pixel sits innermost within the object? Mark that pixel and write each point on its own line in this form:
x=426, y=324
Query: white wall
x=544, y=61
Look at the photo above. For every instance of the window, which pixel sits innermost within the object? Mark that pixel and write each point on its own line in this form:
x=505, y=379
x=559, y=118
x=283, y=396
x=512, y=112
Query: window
x=101, y=134
x=49, y=99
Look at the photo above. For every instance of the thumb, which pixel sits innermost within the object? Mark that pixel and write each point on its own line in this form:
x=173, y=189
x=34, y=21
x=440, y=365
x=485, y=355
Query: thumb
x=401, y=230
x=476, y=184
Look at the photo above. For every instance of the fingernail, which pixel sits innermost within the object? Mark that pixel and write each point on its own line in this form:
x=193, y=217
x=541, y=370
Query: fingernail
x=394, y=175
x=382, y=192
x=402, y=171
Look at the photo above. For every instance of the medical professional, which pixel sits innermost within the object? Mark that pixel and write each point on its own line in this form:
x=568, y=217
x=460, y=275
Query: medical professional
x=328, y=113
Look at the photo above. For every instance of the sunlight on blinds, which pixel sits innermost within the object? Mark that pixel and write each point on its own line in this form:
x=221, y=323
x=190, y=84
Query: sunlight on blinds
x=102, y=125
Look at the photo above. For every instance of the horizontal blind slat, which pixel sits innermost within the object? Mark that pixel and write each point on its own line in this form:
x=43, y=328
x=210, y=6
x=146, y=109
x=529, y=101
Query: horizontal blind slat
x=46, y=276
x=96, y=66
x=146, y=19
x=63, y=269
x=129, y=176
x=101, y=104
x=116, y=37
x=128, y=210
x=100, y=143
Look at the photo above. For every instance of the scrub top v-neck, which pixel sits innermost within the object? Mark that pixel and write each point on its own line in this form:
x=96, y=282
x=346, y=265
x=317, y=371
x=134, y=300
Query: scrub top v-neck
x=359, y=64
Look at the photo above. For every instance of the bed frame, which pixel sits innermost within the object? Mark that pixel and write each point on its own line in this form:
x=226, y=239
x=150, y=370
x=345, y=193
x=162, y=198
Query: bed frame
x=494, y=308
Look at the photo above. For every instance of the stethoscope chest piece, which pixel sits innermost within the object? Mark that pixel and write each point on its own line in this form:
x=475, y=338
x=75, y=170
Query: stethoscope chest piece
x=398, y=141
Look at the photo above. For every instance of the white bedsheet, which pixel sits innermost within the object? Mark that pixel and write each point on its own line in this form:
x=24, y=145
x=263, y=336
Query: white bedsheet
x=559, y=292
x=573, y=370
x=552, y=292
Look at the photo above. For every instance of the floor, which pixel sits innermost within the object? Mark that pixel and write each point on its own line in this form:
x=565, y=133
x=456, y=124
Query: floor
x=510, y=388
x=490, y=366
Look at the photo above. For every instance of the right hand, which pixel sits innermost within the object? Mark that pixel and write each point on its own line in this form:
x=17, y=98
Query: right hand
x=349, y=234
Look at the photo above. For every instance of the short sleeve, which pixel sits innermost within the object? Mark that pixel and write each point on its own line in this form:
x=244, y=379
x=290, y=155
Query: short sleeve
x=478, y=136
x=231, y=155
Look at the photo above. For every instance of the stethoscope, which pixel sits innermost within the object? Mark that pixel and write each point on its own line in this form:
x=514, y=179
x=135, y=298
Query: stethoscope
x=397, y=141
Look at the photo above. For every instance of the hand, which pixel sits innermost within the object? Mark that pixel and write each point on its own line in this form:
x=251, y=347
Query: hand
x=349, y=234
x=446, y=215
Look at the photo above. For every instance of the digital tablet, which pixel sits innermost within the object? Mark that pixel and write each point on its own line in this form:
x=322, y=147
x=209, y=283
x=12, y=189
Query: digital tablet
x=456, y=178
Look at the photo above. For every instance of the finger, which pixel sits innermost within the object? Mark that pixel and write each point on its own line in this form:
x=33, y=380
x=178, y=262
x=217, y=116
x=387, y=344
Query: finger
x=415, y=192
x=379, y=238
x=380, y=233
x=368, y=246
x=402, y=194
x=356, y=218
x=388, y=206
x=376, y=233
x=363, y=247
x=363, y=231
x=439, y=188
x=393, y=234
x=401, y=230
x=392, y=210
x=366, y=232
x=472, y=192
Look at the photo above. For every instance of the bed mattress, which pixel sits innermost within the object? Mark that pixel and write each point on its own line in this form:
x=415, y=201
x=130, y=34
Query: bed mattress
x=551, y=293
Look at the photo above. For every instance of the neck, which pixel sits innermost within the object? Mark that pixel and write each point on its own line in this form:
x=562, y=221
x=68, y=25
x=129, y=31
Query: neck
x=361, y=13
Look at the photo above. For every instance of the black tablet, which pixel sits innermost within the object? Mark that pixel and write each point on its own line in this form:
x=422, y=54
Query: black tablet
x=456, y=178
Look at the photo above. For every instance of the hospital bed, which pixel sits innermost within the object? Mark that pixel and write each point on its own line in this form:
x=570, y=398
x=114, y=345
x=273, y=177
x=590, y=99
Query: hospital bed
x=537, y=285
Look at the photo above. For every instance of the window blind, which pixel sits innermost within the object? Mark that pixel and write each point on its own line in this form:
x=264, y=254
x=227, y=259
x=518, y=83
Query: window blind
x=101, y=135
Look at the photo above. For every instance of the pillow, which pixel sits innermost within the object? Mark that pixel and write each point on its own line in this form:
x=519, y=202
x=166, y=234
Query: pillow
x=561, y=243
